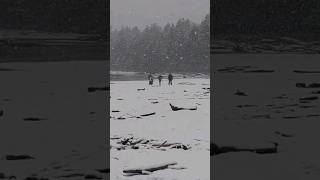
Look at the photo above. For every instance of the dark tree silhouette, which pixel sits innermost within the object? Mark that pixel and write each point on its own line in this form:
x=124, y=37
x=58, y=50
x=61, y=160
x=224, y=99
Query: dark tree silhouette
x=180, y=47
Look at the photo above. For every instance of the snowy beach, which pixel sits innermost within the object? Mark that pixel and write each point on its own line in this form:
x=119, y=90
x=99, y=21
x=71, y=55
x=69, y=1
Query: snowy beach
x=265, y=117
x=145, y=131
x=52, y=127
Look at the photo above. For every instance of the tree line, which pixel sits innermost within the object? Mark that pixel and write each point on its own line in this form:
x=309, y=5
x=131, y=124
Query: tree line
x=265, y=18
x=77, y=16
x=180, y=47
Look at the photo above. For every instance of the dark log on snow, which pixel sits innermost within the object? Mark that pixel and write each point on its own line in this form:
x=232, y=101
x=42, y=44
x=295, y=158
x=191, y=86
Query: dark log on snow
x=174, y=108
x=141, y=170
x=240, y=93
x=149, y=114
x=215, y=149
x=93, y=89
x=33, y=119
x=305, y=72
x=18, y=157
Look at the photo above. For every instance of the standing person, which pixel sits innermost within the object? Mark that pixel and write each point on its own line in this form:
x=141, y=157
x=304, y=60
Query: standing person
x=150, y=77
x=170, y=78
x=160, y=78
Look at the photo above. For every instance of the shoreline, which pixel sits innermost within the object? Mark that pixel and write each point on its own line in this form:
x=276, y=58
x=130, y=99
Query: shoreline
x=156, y=83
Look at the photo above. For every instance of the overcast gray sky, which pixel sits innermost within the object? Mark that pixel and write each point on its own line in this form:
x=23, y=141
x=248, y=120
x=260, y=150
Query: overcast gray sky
x=144, y=12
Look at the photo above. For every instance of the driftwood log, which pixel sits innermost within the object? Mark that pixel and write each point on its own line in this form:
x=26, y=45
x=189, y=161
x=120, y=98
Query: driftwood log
x=148, y=169
x=174, y=108
x=149, y=114
x=215, y=149
x=94, y=89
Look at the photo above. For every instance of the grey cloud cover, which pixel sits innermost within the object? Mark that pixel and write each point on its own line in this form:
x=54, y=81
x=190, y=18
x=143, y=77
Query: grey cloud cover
x=143, y=12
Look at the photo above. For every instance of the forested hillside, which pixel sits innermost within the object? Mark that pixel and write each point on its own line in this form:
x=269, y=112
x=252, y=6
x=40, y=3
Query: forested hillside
x=78, y=16
x=180, y=47
x=294, y=18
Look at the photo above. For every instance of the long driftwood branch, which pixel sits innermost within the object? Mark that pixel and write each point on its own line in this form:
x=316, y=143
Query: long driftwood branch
x=151, y=168
x=175, y=108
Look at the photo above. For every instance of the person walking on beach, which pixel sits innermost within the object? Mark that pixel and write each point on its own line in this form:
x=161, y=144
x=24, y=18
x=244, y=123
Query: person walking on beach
x=160, y=78
x=170, y=78
x=150, y=77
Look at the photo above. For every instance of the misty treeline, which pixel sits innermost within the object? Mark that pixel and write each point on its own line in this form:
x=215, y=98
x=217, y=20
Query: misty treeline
x=180, y=47
x=77, y=16
x=265, y=17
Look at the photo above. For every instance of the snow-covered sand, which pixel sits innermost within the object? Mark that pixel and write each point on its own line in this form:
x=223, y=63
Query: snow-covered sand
x=69, y=141
x=274, y=110
x=131, y=99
